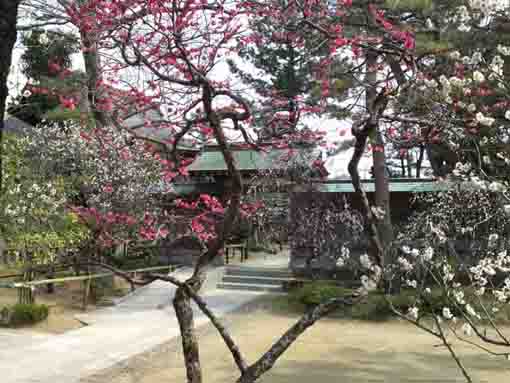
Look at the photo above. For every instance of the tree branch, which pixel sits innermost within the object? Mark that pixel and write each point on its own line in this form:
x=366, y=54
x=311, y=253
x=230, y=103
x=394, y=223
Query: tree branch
x=267, y=360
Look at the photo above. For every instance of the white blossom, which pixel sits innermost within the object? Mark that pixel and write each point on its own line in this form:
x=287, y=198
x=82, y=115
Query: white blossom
x=471, y=311
x=478, y=76
x=447, y=314
x=497, y=187
x=365, y=261
x=43, y=39
x=413, y=312
x=428, y=254
x=476, y=58
x=405, y=265
x=455, y=55
x=503, y=50
x=484, y=120
x=456, y=82
x=459, y=297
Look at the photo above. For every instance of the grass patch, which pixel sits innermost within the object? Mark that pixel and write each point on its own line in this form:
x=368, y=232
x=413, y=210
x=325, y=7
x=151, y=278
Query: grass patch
x=23, y=314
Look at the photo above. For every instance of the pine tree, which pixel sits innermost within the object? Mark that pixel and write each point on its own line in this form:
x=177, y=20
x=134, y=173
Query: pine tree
x=46, y=62
x=288, y=71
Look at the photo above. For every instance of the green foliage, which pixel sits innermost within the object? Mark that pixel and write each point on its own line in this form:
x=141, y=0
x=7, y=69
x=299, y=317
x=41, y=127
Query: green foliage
x=32, y=210
x=409, y=4
x=22, y=314
x=314, y=293
x=46, y=57
x=46, y=243
x=60, y=114
x=40, y=54
x=375, y=307
x=426, y=43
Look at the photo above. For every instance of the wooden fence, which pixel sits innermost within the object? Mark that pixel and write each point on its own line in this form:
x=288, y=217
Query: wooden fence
x=26, y=289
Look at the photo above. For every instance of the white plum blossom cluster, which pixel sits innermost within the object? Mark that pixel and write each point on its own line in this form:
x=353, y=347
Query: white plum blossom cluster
x=484, y=120
x=464, y=16
x=464, y=88
x=411, y=259
x=487, y=7
x=465, y=226
x=30, y=200
x=345, y=253
x=369, y=282
x=487, y=268
x=116, y=171
x=503, y=50
x=111, y=179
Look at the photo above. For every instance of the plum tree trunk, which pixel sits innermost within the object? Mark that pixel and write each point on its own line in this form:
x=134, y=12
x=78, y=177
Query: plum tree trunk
x=190, y=348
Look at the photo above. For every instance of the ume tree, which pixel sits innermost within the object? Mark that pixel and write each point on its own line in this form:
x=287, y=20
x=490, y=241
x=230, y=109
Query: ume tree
x=175, y=47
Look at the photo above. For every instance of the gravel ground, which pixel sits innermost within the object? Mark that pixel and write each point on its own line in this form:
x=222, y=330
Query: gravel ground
x=332, y=351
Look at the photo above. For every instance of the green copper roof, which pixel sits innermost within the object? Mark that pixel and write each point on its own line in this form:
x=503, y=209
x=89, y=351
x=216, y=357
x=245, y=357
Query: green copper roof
x=248, y=159
x=333, y=186
x=396, y=186
x=199, y=188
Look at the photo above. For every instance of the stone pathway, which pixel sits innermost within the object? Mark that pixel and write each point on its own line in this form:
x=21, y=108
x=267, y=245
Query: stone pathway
x=138, y=323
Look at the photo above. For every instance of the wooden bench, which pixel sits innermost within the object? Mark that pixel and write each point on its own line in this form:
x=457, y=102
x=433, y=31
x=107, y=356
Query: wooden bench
x=241, y=246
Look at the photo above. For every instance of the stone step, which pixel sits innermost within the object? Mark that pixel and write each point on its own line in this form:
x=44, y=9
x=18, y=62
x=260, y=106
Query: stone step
x=250, y=287
x=249, y=279
x=264, y=272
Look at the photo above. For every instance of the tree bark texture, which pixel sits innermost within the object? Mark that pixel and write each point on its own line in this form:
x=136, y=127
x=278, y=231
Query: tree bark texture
x=190, y=348
x=382, y=190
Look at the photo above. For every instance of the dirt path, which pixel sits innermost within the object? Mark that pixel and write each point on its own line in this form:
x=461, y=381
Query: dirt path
x=332, y=351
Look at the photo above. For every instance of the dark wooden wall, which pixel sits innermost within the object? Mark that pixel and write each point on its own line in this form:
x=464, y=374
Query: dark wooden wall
x=326, y=262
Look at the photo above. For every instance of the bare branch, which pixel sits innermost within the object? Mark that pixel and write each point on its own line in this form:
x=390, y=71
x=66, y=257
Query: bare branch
x=267, y=360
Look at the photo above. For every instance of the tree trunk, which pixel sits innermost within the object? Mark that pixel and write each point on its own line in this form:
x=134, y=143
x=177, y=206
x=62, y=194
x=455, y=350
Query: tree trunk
x=382, y=191
x=8, y=33
x=420, y=161
x=190, y=347
x=409, y=165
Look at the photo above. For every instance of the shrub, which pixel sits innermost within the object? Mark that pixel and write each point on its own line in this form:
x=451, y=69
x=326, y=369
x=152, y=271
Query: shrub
x=313, y=293
x=375, y=307
x=24, y=314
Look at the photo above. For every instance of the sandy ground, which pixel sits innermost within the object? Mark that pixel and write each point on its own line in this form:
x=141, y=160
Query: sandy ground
x=64, y=304
x=332, y=351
